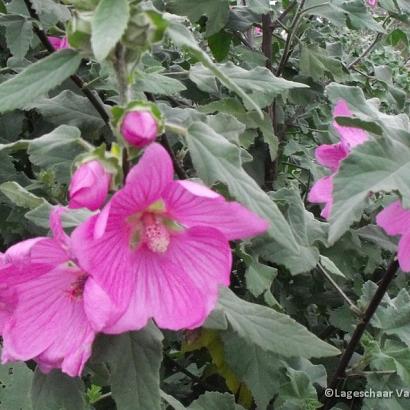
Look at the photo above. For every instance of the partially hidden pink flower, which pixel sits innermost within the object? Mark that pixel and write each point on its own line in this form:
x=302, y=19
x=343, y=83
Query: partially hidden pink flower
x=89, y=186
x=395, y=220
x=332, y=155
x=139, y=128
x=47, y=301
x=58, y=43
x=160, y=247
x=372, y=3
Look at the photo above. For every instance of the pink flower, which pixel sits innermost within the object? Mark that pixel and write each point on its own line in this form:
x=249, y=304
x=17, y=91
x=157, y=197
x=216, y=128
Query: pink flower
x=58, y=43
x=331, y=156
x=89, y=186
x=47, y=318
x=139, y=128
x=372, y=3
x=395, y=220
x=160, y=247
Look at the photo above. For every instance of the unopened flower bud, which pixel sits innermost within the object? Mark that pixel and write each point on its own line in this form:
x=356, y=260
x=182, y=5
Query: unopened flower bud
x=58, y=43
x=89, y=186
x=139, y=128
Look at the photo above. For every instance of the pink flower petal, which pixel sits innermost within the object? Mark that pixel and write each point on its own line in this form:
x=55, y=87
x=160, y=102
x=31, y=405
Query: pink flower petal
x=394, y=219
x=151, y=175
x=8, y=302
x=331, y=156
x=57, y=227
x=350, y=136
x=192, y=204
x=403, y=253
x=109, y=258
x=322, y=193
x=99, y=308
x=180, y=288
x=48, y=324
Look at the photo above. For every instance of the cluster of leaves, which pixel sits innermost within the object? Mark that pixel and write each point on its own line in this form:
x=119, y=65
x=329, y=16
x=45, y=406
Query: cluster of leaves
x=246, y=89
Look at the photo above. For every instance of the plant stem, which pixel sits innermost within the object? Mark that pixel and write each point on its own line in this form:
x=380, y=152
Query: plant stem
x=370, y=47
x=177, y=129
x=179, y=170
x=340, y=372
x=121, y=71
x=102, y=397
x=278, y=22
x=93, y=98
x=352, y=306
x=292, y=29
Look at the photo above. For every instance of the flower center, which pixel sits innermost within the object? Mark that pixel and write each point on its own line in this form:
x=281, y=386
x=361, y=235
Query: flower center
x=155, y=233
x=76, y=289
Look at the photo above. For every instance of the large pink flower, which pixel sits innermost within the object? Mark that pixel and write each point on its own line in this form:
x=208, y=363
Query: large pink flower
x=160, y=248
x=395, y=220
x=45, y=291
x=331, y=156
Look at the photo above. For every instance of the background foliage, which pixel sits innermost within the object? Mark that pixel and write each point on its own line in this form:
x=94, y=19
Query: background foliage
x=246, y=89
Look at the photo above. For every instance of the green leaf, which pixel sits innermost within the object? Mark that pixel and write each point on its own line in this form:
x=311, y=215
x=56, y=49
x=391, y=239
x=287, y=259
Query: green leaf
x=57, y=391
x=57, y=150
x=315, y=62
x=70, y=109
x=216, y=159
x=342, y=13
x=375, y=234
x=134, y=360
x=392, y=356
x=259, y=83
x=182, y=37
x=330, y=266
x=171, y=401
x=259, y=277
x=298, y=393
x=259, y=6
x=19, y=33
x=381, y=164
x=157, y=83
x=220, y=44
x=394, y=318
x=216, y=11
x=70, y=218
x=215, y=400
x=260, y=370
x=15, y=384
x=388, y=401
x=270, y=330
x=108, y=25
x=3, y=7
x=226, y=125
x=306, y=230
x=20, y=196
x=38, y=79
